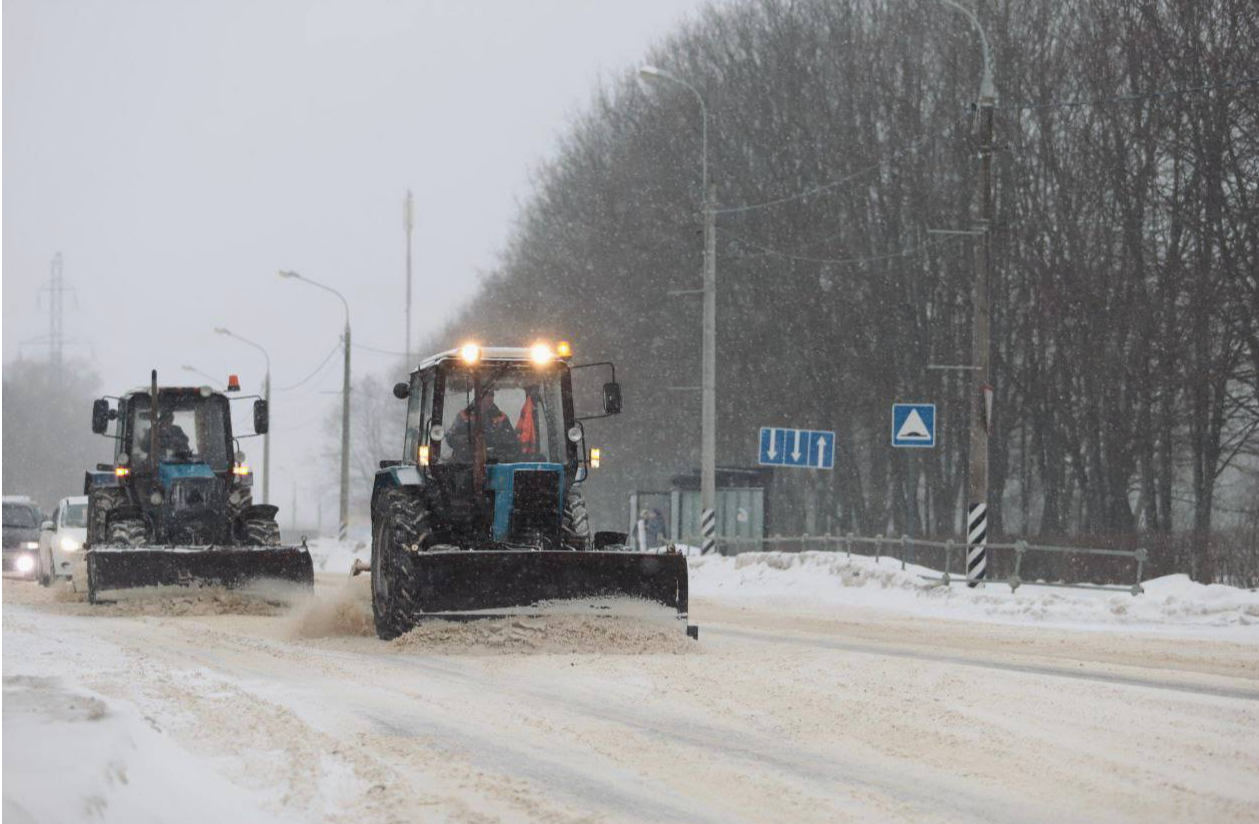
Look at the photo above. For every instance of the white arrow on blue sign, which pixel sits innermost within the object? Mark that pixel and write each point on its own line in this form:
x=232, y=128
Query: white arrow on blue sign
x=914, y=424
x=803, y=448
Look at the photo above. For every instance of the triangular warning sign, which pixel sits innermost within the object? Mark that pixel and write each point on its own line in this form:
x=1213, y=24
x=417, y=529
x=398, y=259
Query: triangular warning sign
x=913, y=429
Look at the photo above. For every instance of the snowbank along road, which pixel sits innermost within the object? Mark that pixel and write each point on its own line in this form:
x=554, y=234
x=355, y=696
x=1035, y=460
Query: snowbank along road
x=226, y=708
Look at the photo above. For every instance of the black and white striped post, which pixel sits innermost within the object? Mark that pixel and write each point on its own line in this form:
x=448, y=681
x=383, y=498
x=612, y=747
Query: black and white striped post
x=976, y=544
x=708, y=531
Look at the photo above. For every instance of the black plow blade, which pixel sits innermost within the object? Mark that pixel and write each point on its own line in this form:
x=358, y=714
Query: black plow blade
x=113, y=570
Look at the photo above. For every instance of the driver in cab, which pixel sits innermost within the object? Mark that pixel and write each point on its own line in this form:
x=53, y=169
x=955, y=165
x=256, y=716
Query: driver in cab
x=172, y=441
x=501, y=442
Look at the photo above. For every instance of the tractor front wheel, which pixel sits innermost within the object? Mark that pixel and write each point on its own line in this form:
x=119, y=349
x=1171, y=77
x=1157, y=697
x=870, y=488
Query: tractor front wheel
x=128, y=533
x=401, y=526
x=576, y=521
x=262, y=532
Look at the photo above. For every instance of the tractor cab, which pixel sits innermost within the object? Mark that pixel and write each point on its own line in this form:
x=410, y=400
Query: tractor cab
x=176, y=464
x=495, y=433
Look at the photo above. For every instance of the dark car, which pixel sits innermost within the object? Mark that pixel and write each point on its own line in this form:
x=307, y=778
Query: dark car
x=21, y=535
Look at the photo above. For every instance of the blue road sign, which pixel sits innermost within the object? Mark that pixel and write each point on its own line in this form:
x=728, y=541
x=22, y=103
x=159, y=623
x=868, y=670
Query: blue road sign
x=803, y=448
x=914, y=425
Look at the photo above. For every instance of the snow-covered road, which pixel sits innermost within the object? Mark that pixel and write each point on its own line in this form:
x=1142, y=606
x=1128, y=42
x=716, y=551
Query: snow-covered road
x=811, y=713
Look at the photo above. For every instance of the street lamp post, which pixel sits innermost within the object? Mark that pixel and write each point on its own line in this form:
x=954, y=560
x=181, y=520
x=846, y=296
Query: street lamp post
x=980, y=411
x=708, y=382
x=343, y=526
x=266, y=394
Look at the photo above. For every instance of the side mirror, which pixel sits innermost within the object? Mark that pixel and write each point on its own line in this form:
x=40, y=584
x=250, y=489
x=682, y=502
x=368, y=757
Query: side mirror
x=100, y=416
x=47, y=526
x=612, y=398
x=262, y=417
x=401, y=391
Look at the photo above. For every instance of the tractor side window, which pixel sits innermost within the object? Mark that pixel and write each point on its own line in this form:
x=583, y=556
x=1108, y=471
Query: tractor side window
x=415, y=425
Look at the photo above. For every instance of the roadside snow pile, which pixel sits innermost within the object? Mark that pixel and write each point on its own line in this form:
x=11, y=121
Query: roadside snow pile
x=71, y=756
x=331, y=555
x=832, y=578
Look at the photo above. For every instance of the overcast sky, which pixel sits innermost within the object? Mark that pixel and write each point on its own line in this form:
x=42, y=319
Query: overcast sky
x=178, y=154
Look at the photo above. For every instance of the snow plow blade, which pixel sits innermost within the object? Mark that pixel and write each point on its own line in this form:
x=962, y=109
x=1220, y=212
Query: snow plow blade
x=114, y=571
x=450, y=583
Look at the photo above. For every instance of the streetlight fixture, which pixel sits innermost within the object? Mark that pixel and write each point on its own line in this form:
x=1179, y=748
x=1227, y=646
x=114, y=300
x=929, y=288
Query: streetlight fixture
x=708, y=382
x=981, y=395
x=266, y=394
x=343, y=526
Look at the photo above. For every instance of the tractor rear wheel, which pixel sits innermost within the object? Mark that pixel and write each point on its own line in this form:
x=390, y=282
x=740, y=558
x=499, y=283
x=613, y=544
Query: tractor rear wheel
x=128, y=532
x=576, y=521
x=401, y=527
x=262, y=532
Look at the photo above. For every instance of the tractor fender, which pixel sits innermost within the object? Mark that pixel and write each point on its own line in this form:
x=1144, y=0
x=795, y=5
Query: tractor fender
x=264, y=512
x=98, y=480
x=393, y=477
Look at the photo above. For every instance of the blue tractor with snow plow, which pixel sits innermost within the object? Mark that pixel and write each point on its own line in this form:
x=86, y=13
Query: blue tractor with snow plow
x=483, y=514
x=176, y=506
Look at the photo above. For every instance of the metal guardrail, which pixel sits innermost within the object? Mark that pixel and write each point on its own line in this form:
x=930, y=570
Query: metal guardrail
x=907, y=545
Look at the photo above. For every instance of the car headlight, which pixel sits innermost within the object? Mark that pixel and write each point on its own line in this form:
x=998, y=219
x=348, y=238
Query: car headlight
x=68, y=544
x=24, y=563
x=30, y=545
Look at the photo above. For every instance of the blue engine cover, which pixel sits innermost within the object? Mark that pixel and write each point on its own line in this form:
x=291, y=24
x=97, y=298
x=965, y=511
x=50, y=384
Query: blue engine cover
x=501, y=478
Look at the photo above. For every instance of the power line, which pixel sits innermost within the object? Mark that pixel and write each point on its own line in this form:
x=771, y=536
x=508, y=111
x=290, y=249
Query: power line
x=909, y=250
x=823, y=187
x=379, y=351
x=318, y=369
x=1128, y=98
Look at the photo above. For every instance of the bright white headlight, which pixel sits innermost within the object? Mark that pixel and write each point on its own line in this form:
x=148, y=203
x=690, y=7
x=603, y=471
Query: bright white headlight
x=24, y=563
x=68, y=544
x=30, y=545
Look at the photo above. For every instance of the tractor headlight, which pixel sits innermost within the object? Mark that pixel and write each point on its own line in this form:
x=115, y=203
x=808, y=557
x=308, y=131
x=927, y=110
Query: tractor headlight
x=24, y=564
x=30, y=545
x=574, y=434
x=155, y=498
x=471, y=353
x=68, y=544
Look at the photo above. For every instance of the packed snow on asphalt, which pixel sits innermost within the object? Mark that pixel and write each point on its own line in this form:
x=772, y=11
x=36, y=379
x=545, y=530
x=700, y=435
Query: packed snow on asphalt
x=822, y=689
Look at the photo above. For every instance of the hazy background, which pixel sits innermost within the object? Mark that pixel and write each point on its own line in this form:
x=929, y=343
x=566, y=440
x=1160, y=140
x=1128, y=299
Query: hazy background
x=179, y=154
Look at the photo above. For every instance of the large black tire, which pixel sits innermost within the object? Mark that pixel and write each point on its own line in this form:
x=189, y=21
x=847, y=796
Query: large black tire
x=261, y=532
x=100, y=502
x=401, y=528
x=576, y=521
x=128, y=532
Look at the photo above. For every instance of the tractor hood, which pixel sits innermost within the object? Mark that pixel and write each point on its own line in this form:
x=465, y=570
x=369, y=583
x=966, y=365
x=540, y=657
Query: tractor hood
x=168, y=473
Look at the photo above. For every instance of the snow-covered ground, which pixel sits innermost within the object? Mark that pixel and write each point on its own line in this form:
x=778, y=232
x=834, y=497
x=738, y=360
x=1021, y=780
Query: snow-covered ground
x=1172, y=604
x=822, y=689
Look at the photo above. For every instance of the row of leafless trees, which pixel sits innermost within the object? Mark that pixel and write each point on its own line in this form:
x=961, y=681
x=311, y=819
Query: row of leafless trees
x=1126, y=255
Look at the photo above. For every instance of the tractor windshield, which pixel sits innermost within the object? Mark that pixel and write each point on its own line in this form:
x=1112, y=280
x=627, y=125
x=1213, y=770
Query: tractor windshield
x=522, y=414
x=190, y=430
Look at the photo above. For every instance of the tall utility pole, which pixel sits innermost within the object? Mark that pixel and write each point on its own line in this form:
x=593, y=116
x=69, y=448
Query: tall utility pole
x=708, y=446
x=708, y=377
x=344, y=524
x=980, y=425
x=408, y=222
x=56, y=290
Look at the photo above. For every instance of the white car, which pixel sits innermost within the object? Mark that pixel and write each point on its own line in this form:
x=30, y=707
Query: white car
x=61, y=539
